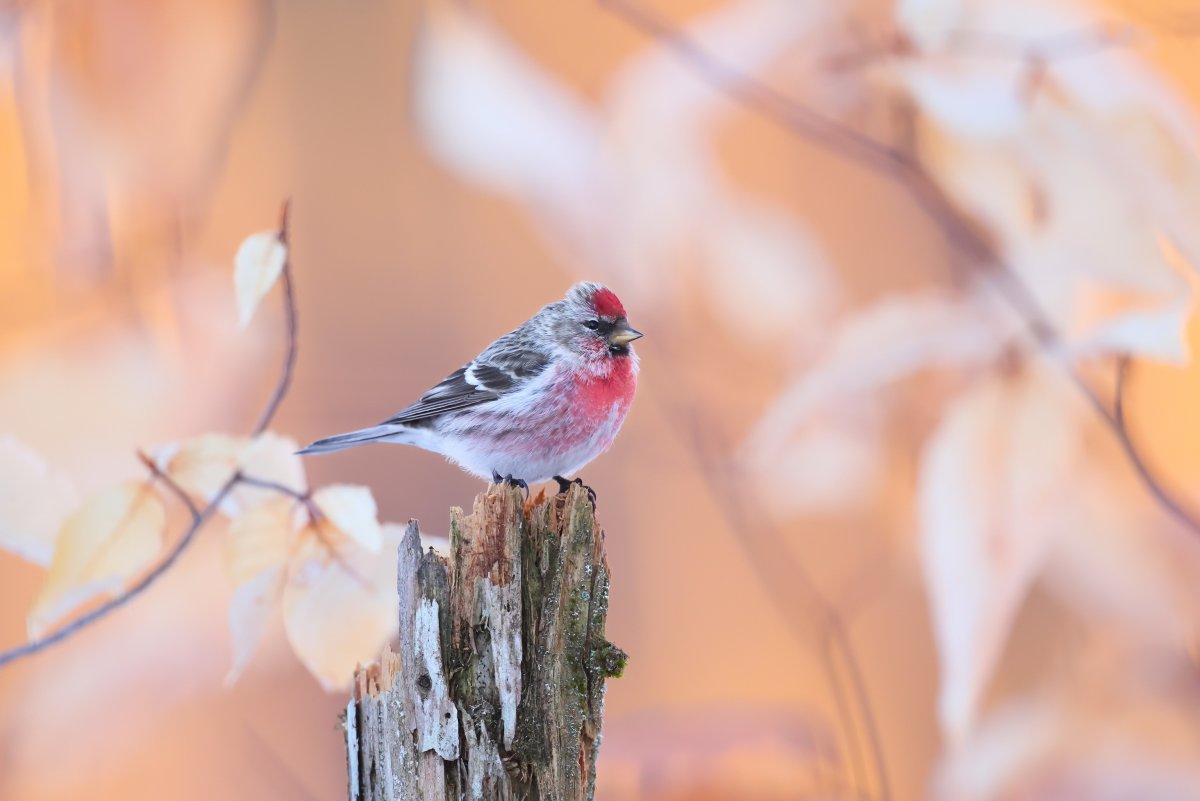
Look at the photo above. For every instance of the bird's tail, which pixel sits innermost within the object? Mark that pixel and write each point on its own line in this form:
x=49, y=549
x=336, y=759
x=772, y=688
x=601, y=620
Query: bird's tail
x=380, y=433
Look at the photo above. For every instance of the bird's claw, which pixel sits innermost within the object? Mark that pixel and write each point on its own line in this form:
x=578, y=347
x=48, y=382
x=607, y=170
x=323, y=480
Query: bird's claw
x=565, y=484
x=510, y=481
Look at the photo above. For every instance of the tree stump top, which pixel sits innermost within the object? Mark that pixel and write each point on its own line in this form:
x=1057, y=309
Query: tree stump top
x=497, y=690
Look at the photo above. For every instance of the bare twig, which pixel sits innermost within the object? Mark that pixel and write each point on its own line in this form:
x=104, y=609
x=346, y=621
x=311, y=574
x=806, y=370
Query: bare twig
x=1169, y=502
x=305, y=498
x=176, y=490
x=132, y=592
x=289, y=312
x=778, y=569
x=199, y=516
x=275, y=486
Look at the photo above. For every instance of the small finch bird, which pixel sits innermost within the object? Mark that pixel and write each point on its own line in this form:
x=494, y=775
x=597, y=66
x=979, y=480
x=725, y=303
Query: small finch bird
x=538, y=403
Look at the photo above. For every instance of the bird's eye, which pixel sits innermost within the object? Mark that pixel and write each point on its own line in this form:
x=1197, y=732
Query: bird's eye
x=592, y=324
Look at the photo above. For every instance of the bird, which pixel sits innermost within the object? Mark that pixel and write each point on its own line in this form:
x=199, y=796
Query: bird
x=539, y=403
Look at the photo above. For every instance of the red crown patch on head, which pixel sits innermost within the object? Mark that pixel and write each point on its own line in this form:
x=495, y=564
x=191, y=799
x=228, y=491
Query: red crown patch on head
x=606, y=303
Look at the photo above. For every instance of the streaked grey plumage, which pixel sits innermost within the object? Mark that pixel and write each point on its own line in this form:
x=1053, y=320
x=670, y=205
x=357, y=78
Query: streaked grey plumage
x=517, y=384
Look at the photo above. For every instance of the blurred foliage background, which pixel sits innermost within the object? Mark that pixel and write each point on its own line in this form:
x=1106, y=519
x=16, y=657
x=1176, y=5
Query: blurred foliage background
x=783, y=577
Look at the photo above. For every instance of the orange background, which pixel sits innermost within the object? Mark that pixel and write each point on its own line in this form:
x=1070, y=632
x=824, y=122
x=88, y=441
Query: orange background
x=117, y=330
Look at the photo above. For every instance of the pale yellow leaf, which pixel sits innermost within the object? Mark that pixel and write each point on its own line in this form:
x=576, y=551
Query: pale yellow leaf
x=34, y=500
x=269, y=457
x=203, y=464
x=352, y=511
x=340, y=609
x=991, y=482
x=249, y=613
x=257, y=266
x=112, y=536
x=259, y=538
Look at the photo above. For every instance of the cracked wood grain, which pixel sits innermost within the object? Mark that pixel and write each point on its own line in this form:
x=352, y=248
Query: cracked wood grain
x=497, y=690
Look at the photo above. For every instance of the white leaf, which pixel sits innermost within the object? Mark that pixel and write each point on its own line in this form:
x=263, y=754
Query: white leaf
x=991, y=483
x=256, y=267
x=1117, y=568
x=34, y=501
x=1159, y=333
x=829, y=466
x=541, y=143
x=885, y=343
x=340, y=609
x=929, y=22
x=249, y=613
x=768, y=277
x=352, y=510
x=1066, y=748
x=112, y=536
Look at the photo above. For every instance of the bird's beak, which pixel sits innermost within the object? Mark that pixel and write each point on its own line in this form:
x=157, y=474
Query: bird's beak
x=623, y=335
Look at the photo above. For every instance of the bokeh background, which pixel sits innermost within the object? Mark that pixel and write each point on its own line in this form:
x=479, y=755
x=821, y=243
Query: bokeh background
x=453, y=167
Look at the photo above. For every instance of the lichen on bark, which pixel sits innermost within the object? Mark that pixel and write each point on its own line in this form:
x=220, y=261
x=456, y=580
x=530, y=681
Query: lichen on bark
x=520, y=608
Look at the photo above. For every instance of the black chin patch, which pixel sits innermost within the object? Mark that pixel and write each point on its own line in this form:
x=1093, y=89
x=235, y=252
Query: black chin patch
x=618, y=350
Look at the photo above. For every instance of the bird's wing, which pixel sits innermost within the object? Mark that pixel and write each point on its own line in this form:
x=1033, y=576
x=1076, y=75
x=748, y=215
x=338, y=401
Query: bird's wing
x=500, y=370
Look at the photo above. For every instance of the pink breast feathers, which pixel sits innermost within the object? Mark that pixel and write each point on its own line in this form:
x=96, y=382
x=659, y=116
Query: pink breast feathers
x=597, y=395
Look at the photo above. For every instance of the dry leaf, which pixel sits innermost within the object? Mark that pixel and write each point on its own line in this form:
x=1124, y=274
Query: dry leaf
x=352, y=511
x=1083, y=167
x=768, y=278
x=1067, y=748
x=627, y=183
x=203, y=464
x=34, y=500
x=829, y=466
x=884, y=343
x=340, y=609
x=1120, y=569
x=256, y=267
x=543, y=142
x=260, y=538
x=269, y=457
x=250, y=610
x=991, y=483
x=112, y=536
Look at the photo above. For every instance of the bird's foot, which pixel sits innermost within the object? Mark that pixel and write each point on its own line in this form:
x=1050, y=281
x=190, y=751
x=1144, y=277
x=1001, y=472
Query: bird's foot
x=565, y=484
x=510, y=481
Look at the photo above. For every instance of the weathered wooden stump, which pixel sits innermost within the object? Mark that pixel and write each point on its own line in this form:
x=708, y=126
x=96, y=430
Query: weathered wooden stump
x=497, y=691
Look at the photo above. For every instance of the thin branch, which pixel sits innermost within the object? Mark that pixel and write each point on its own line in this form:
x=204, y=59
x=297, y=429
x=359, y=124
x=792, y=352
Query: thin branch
x=176, y=490
x=959, y=230
x=132, y=592
x=305, y=497
x=290, y=322
x=275, y=486
x=777, y=569
x=1170, y=503
x=200, y=516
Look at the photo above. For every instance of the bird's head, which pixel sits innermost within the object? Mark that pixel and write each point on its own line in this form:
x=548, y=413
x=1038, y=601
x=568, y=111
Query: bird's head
x=592, y=322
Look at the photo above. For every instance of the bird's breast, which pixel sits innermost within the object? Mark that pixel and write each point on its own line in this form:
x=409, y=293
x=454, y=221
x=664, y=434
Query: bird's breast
x=597, y=396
